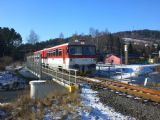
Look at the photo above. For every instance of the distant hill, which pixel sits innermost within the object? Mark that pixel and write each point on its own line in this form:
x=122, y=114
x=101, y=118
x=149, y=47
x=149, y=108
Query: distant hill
x=147, y=35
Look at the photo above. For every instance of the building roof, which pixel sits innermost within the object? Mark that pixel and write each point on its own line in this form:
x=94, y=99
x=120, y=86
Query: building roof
x=109, y=55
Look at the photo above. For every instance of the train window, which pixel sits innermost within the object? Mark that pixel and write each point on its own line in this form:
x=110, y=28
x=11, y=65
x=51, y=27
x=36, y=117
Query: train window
x=56, y=52
x=59, y=52
x=48, y=54
x=82, y=50
x=51, y=53
x=88, y=50
x=75, y=50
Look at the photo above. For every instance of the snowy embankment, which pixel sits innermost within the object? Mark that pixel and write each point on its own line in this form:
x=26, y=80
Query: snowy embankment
x=96, y=110
x=125, y=71
x=26, y=73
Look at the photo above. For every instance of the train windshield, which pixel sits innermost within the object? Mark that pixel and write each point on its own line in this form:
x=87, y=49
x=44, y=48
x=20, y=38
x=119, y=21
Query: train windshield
x=82, y=50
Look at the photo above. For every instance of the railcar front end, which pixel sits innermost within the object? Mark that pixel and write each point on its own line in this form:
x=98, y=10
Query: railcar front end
x=82, y=57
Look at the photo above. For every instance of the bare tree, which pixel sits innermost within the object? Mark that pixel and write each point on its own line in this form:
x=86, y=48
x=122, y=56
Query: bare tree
x=94, y=32
x=33, y=37
x=61, y=36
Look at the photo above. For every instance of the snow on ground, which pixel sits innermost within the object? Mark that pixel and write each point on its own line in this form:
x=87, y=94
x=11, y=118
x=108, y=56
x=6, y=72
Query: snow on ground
x=125, y=71
x=13, y=68
x=3, y=114
x=92, y=79
x=9, y=81
x=97, y=111
x=26, y=73
x=91, y=109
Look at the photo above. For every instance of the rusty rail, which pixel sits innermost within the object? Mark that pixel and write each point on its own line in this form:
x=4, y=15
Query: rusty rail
x=144, y=93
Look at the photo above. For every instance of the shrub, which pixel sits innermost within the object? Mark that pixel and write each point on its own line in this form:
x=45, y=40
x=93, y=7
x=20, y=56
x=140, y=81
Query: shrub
x=6, y=60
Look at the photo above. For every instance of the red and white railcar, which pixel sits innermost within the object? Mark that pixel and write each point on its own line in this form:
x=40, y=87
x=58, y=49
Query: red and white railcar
x=77, y=55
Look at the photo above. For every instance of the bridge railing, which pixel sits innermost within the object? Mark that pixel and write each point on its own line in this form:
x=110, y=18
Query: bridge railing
x=66, y=76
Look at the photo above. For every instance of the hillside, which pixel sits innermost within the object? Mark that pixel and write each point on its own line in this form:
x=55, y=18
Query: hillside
x=104, y=41
x=147, y=35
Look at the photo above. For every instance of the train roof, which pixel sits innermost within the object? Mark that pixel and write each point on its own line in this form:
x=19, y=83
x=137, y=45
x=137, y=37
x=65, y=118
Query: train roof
x=65, y=44
x=51, y=47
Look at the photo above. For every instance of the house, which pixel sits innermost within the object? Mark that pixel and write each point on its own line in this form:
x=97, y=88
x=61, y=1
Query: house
x=112, y=59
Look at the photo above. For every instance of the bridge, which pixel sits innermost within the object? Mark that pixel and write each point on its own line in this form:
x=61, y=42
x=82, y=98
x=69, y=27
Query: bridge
x=64, y=77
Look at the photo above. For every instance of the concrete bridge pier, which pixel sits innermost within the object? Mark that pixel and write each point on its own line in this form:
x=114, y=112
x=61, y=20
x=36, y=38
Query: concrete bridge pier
x=40, y=89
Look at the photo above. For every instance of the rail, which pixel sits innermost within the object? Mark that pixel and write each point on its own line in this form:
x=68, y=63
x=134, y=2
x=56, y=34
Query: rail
x=144, y=93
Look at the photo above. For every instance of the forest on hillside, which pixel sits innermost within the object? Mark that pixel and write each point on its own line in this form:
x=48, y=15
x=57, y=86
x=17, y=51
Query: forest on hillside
x=148, y=35
x=106, y=42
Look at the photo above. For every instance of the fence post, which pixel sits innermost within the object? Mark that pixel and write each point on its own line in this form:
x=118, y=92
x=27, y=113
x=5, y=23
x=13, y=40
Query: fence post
x=56, y=73
x=62, y=76
x=75, y=76
x=40, y=66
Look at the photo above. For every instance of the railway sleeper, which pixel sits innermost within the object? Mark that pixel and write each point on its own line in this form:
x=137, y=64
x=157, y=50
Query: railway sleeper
x=137, y=88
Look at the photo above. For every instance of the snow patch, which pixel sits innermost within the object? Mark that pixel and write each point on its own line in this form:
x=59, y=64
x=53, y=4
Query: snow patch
x=96, y=110
x=11, y=81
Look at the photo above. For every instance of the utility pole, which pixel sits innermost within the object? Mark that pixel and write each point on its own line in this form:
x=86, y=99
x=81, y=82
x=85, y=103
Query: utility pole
x=126, y=53
x=121, y=57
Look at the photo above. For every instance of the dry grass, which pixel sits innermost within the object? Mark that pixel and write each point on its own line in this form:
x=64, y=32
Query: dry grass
x=29, y=109
x=7, y=107
x=64, y=101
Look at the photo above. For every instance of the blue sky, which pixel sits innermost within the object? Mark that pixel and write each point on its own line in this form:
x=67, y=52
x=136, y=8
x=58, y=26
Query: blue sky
x=48, y=18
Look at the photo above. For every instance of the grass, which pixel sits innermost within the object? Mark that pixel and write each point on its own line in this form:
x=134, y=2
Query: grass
x=26, y=108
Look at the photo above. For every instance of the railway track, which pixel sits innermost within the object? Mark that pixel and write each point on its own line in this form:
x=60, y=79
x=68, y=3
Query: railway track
x=139, y=92
x=136, y=91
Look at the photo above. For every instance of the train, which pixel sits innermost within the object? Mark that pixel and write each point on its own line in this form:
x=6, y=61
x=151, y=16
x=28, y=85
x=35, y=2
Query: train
x=73, y=55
